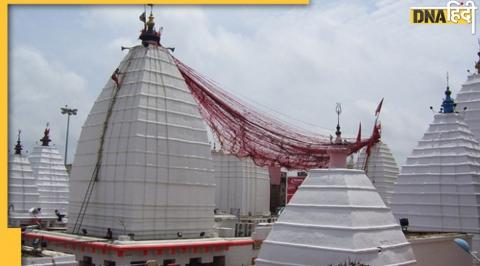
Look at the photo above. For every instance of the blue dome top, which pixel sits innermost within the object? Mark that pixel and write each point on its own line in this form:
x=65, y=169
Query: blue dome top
x=448, y=105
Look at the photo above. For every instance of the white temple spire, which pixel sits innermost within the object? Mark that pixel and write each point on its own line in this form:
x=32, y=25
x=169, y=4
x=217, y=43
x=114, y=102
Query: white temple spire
x=382, y=169
x=22, y=185
x=155, y=178
x=52, y=178
x=436, y=188
x=336, y=215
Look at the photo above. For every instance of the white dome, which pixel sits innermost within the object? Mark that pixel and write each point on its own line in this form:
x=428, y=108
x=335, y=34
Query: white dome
x=52, y=179
x=381, y=169
x=438, y=187
x=22, y=185
x=336, y=215
x=156, y=175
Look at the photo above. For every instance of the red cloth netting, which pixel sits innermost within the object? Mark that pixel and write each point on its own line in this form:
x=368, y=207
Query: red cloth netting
x=245, y=132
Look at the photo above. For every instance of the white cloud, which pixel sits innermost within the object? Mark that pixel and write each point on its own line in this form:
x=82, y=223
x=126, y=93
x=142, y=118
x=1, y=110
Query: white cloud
x=38, y=88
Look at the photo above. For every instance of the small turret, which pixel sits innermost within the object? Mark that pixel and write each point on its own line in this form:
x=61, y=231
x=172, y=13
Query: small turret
x=18, y=147
x=46, y=138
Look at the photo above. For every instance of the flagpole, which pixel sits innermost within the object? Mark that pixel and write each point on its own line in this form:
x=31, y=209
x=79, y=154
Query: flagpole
x=145, y=21
x=377, y=115
x=367, y=150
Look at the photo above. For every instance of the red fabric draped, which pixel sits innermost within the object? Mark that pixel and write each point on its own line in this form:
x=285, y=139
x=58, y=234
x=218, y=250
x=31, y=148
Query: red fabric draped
x=245, y=132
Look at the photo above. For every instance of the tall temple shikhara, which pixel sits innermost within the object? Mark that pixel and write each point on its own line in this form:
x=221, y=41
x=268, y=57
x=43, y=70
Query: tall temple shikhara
x=143, y=164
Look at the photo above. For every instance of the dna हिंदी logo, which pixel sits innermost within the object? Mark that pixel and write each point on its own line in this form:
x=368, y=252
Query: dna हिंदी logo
x=454, y=12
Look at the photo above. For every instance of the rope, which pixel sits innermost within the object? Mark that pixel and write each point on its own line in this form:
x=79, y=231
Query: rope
x=96, y=170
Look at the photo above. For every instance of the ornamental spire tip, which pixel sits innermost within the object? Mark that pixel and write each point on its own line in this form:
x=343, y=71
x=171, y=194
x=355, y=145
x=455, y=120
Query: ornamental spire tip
x=448, y=104
x=149, y=35
x=18, y=147
x=338, y=133
x=46, y=138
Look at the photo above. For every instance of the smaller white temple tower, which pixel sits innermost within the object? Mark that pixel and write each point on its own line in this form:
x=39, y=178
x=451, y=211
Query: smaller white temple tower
x=241, y=186
x=336, y=216
x=437, y=189
x=381, y=168
x=22, y=185
x=52, y=177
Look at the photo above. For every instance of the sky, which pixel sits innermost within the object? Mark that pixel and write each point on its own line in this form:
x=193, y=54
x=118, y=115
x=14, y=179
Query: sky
x=292, y=62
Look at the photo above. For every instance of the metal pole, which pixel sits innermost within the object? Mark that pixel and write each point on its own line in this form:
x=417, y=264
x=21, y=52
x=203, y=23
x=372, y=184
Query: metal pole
x=66, y=140
x=67, y=111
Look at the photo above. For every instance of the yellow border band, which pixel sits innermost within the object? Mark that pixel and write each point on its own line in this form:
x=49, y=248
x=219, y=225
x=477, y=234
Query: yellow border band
x=163, y=2
x=10, y=243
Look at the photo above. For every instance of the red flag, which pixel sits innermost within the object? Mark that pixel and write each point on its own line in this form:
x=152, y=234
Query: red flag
x=359, y=135
x=143, y=17
x=379, y=107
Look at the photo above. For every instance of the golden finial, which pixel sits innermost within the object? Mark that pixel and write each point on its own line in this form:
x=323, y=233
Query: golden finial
x=150, y=23
x=149, y=35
